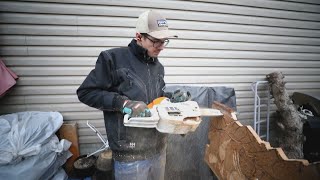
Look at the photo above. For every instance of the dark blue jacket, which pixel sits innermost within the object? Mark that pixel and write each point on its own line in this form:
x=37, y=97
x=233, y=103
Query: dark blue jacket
x=120, y=74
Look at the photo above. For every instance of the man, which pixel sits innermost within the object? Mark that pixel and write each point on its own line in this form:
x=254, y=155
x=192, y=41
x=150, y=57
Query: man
x=124, y=81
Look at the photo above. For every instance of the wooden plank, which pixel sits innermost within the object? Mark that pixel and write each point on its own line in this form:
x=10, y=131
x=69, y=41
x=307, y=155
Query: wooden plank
x=69, y=132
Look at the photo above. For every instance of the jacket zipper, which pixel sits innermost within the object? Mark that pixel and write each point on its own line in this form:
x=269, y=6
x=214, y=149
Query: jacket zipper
x=150, y=84
x=119, y=126
x=158, y=85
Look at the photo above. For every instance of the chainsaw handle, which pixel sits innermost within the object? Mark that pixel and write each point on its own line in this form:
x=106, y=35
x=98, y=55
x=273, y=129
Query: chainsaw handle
x=126, y=118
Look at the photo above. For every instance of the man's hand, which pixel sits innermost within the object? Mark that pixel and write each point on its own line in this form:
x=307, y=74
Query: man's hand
x=180, y=96
x=136, y=109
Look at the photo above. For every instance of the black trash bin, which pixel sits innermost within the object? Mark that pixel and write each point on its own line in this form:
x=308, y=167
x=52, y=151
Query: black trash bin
x=311, y=127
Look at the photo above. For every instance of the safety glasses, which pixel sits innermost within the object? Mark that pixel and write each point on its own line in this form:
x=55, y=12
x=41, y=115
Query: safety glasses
x=157, y=42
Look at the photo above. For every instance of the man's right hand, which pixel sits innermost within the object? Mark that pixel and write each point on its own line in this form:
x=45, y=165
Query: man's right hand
x=136, y=109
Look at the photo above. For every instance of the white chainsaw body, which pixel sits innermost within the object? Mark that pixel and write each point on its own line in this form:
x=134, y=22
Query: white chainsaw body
x=173, y=118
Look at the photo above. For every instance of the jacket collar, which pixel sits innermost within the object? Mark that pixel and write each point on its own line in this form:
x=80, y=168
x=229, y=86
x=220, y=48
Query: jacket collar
x=140, y=52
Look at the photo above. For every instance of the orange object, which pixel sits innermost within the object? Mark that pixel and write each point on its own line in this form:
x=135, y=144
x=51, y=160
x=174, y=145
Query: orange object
x=70, y=132
x=156, y=101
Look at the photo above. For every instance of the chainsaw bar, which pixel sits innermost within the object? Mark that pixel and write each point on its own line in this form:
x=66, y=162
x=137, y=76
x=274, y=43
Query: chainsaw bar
x=210, y=112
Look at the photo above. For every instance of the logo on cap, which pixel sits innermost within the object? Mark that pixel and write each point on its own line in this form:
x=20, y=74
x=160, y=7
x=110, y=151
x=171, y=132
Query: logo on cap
x=162, y=23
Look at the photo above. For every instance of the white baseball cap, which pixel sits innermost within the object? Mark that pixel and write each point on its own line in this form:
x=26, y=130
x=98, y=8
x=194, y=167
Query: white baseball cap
x=154, y=24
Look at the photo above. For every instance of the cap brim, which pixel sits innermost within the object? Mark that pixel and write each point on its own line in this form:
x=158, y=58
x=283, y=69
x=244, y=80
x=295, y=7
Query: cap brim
x=163, y=34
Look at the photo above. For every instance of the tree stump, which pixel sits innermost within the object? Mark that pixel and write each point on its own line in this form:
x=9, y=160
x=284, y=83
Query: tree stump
x=290, y=126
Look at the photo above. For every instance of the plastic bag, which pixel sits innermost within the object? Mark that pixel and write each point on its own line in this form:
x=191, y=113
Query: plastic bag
x=29, y=148
x=28, y=131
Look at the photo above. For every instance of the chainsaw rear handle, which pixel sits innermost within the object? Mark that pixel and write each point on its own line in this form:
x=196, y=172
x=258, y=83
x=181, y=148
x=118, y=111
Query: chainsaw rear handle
x=126, y=118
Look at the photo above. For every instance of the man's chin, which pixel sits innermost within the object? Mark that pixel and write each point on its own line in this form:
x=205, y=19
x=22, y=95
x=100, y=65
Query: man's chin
x=154, y=55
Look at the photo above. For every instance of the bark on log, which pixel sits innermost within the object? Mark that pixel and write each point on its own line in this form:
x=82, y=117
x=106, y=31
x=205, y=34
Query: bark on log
x=290, y=125
x=236, y=152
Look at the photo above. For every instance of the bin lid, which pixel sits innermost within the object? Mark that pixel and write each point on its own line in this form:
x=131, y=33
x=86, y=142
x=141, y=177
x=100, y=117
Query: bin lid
x=310, y=99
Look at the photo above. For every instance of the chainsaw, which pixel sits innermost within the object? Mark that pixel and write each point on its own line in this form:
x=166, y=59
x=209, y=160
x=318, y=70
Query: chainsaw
x=172, y=118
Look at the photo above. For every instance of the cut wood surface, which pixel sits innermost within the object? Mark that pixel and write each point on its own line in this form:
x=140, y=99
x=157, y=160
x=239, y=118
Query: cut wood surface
x=236, y=152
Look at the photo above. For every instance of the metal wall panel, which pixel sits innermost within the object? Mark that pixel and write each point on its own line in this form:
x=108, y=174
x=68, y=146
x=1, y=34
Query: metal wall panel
x=53, y=44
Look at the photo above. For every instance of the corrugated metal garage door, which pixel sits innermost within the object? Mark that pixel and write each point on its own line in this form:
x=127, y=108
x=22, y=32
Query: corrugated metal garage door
x=53, y=44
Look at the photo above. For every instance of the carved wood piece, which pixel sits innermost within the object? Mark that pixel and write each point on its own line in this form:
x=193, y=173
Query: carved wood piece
x=236, y=152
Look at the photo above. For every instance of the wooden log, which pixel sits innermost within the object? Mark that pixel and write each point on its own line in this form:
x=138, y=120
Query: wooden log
x=290, y=126
x=236, y=152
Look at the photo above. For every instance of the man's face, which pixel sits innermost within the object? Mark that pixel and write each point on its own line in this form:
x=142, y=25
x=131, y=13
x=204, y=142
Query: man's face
x=153, y=45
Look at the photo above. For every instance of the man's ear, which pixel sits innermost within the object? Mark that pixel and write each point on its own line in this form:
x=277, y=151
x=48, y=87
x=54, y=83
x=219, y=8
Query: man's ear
x=138, y=36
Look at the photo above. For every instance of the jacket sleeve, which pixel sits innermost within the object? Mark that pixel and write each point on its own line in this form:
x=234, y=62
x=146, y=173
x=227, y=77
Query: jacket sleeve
x=95, y=91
